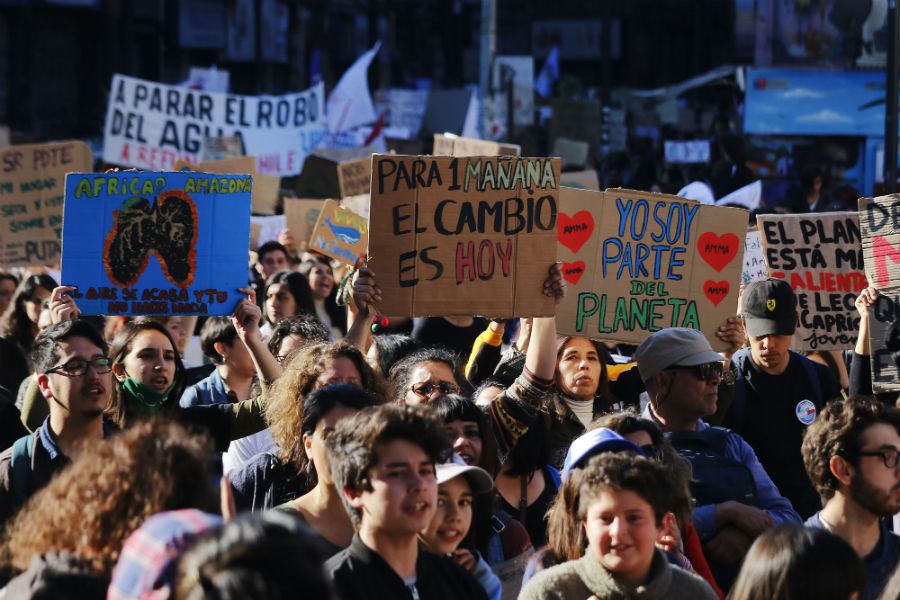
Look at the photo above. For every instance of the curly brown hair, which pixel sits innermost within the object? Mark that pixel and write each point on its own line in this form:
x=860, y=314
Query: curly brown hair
x=837, y=432
x=92, y=506
x=626, y=473
x=284, y=412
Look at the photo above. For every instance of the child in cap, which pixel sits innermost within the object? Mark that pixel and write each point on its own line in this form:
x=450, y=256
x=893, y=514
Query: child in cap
x=622, y=502
x=458, y=484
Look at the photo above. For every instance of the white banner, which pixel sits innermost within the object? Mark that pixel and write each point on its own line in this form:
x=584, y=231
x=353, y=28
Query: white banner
x=151, y=125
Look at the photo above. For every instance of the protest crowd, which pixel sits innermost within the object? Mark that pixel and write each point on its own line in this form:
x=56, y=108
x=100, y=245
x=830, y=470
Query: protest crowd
x=466, y=369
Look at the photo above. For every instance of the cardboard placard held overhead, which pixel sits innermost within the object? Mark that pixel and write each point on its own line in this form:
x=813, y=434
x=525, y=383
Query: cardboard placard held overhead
x=340, y=233
x=32, y=189
x=302, y=214
x=336, y=173
x=463, y=236
x=638, y=262
x=265, y=187
x=355, y=176
x=754, y=261
x=820, y=255
x=446, y=144
x=584, y=180
x=156, y=243
x=879, y=224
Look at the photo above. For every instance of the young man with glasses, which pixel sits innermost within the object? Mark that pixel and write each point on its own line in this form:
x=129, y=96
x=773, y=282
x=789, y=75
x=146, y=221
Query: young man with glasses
x=736, y=499
x=852, y=455
x=777, y=392
x=73, y=374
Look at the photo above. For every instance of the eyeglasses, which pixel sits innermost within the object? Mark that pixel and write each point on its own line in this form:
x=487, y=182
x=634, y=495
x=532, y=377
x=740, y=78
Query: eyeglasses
x=889, y=456
x=706, y=371
x=77, y=367
x=425, y=390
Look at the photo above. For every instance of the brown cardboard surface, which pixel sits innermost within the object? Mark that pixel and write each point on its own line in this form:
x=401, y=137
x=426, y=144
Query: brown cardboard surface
x=879, y=224
x=266, y=188
x=321, y=175
x=32, y=193
x=585, y=180
x=820, y=255
x=302, y=214
x=626, y=303
x=340, y=233
x=425, y=232
x=453, y=145
x=354, y=176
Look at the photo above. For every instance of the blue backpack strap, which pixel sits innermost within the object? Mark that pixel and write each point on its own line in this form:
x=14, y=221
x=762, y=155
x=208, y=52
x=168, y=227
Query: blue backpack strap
x=20, y=464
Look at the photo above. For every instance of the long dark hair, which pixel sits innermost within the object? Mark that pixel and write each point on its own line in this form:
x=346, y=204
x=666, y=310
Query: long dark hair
x=15, y=324
x=337, y=314
x=459, y=408
x=120, y=348
x=298, y=287
x=316, y=407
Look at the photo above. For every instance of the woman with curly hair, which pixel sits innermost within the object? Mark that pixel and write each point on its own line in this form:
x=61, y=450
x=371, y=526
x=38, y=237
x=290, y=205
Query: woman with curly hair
x=275, y=477
x=88, y=510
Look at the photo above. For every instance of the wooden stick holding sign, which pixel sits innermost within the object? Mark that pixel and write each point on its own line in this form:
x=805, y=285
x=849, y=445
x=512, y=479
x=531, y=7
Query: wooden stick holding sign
x=638, y=262
x=463, y=236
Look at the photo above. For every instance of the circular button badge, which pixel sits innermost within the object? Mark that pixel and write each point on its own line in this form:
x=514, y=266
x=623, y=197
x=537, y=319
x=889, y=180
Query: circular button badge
x=805, y=411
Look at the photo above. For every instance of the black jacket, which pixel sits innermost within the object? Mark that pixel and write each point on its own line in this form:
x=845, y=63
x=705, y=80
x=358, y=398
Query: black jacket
x=358, y=572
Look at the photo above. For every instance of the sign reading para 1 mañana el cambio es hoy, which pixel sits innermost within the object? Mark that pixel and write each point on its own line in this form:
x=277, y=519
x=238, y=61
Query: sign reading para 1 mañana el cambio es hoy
x=463, y=236
x=145, y=243
x=879, y=223
x=151, y=125
x=820, y=255
x=32, y=182
x=638, y=262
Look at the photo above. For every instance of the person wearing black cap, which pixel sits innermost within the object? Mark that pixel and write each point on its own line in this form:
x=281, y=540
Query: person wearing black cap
x=777, y=392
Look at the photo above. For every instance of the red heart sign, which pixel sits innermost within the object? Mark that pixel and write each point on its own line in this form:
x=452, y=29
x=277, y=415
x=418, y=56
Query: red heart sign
x=573, y=232
x=573, y=271
x=716, y=250
x=716, y=291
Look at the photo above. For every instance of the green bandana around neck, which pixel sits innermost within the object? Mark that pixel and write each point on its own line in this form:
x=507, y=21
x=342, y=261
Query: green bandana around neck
x=147, y=400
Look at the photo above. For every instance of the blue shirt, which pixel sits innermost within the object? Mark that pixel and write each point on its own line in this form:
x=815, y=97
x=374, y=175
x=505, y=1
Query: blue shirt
x=879, y=563
x=767, y=494
x=211, y=390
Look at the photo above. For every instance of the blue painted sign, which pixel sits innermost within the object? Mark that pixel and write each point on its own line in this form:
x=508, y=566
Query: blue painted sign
x=145, y=243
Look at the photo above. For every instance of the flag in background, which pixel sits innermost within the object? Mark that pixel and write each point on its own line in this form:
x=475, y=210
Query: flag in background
x=350, y=103
x=543, y=85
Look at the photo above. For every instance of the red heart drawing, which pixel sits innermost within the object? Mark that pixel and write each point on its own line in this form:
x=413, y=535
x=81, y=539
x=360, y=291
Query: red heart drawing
x=716, y=291
x=573, y=232
x=716, y=250
x=573, y=271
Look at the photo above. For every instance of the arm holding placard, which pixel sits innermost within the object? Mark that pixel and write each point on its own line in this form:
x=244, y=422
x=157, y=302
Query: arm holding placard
x=861, y=366
x=246, y=319
x=364, y=294
x=513, y=411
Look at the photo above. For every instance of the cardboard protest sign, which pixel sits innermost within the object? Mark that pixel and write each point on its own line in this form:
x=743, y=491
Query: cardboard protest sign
x=820, y=255
x=32, y=187
x=463, y=236
x=163, y=243
x=301, y=215
x=638, y=262
x=336, y=173
x=453, y=145
x=340, y=233
x=151, y=125
x=265, y=187
x=687, y=152
x=354, y=176
x=754, y=261
x=585, y=180
x=879, y=223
